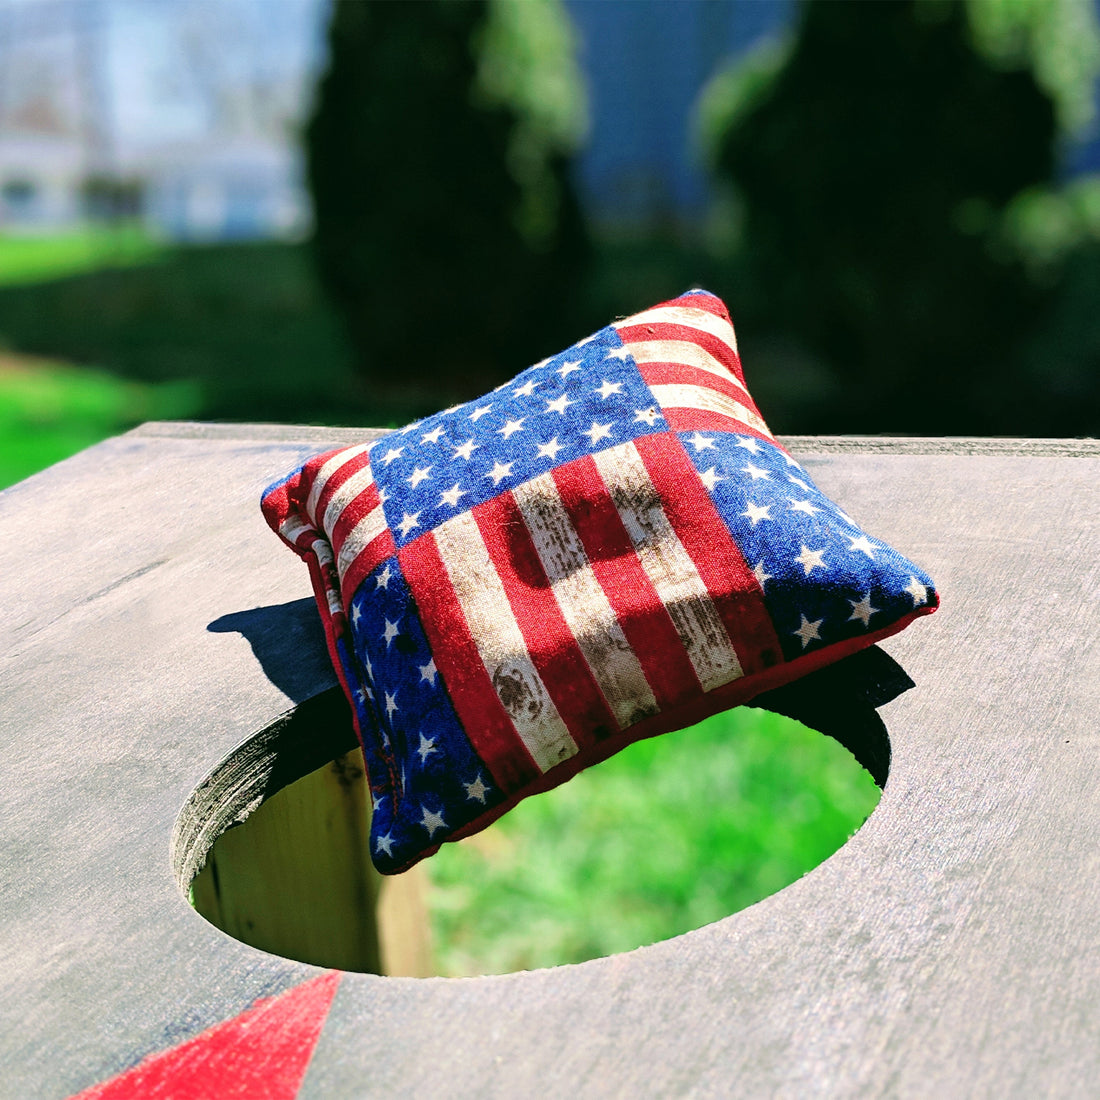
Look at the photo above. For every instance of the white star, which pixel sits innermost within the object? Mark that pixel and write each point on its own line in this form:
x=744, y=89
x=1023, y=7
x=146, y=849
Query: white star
x=810, y=559
x=427, y=747
x=526, y=389
x=419, y=474
x=428, y=671
x=711, y=478
x=568, y=368
x=390, y=633
x=476, y=790
x=454, y=408
x=384, y=843
x=756, y=513
x=799, y=482
x=598, y=432
x=479, y=412
x=451, y=496
x=375, y=803
x=618, y=353
x=647, y=416
x=500, y=471
x=559, y=404
x=807, y=631
x=761, y=574
x=608, y=388
x=549, y=450
x=918, y=591
x=391, y=703
x=411, y=427
x=369, y=667
x=847, y=518
x=432, y=822
x=408, y=522
x=864, y=543
x=383, y=578
x=701, y=442
x=465, y=450
x=790, y=461
x=363, y=694
x=391, y=454
x=511, y=427
x=756, y=473
x=862, y=610
x=803, y=506
x=433, y=435
x=356, y=615
x=383, y=496
x=749, y=444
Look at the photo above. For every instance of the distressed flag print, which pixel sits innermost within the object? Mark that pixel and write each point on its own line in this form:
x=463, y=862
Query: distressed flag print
x=610, y=546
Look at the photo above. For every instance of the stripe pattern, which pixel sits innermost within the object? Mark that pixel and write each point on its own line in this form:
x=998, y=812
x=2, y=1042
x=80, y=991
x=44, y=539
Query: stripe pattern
x=516, y=587
x=686, y=352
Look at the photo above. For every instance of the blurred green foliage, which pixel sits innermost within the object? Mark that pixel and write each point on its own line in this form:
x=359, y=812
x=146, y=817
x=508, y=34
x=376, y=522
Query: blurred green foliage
x=888, y=229
x=447, y=231
x=666, y=836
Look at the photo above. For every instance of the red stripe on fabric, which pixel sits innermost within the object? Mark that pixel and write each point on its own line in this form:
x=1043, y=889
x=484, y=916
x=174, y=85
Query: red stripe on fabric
x=370, y=557
x=264, y=1051
x=683, y=333
x=483, y=716
x=645, y=621
x=703, y=534
x=554, y=651
x=709, y=302
x=365, y=502
x=700, y=420
x=308, y=475
x=337, y=478
x=279, y=504
x=671, y=374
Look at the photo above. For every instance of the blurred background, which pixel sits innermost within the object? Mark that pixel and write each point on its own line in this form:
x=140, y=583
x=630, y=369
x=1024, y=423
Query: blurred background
x=354, y=212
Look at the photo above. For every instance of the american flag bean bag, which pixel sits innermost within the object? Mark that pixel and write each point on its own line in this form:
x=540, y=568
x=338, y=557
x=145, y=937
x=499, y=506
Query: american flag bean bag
x=610, y=546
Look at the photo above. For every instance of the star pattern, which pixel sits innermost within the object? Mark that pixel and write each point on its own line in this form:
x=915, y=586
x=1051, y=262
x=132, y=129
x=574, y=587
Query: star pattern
x=419, y=759
x=588, y=398
x=814, y=579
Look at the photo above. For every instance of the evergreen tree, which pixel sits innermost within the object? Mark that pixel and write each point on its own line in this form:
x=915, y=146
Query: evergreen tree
x=874, y=170
x=447, y=231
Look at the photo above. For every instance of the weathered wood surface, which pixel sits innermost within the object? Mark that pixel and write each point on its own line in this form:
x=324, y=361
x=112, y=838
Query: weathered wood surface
x=151, y=624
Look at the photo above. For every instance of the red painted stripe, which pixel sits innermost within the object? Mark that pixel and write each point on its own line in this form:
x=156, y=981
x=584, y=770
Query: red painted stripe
x=487, y=724
x=370, y=557
x=263, y=1052
x=705, y=537
x=663, y=374
x=700, y=420
x=554, y=651
x=648, y=628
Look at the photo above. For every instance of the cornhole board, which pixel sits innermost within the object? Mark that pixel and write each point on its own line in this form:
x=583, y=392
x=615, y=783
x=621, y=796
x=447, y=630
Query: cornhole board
x=152, y=624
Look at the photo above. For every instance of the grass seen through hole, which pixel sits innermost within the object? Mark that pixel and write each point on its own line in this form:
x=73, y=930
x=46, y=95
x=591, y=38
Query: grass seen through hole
x=669, y=835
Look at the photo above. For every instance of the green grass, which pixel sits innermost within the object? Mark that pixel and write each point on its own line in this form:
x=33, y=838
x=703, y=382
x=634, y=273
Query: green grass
x=669, y=835
x=31, y=259
x=49, y=411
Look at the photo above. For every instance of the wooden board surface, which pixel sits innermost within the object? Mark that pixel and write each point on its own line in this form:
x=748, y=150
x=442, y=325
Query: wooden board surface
x=152, y=624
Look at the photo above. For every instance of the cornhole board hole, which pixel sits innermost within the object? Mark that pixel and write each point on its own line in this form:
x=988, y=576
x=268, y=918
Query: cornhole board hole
x=952, y=946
